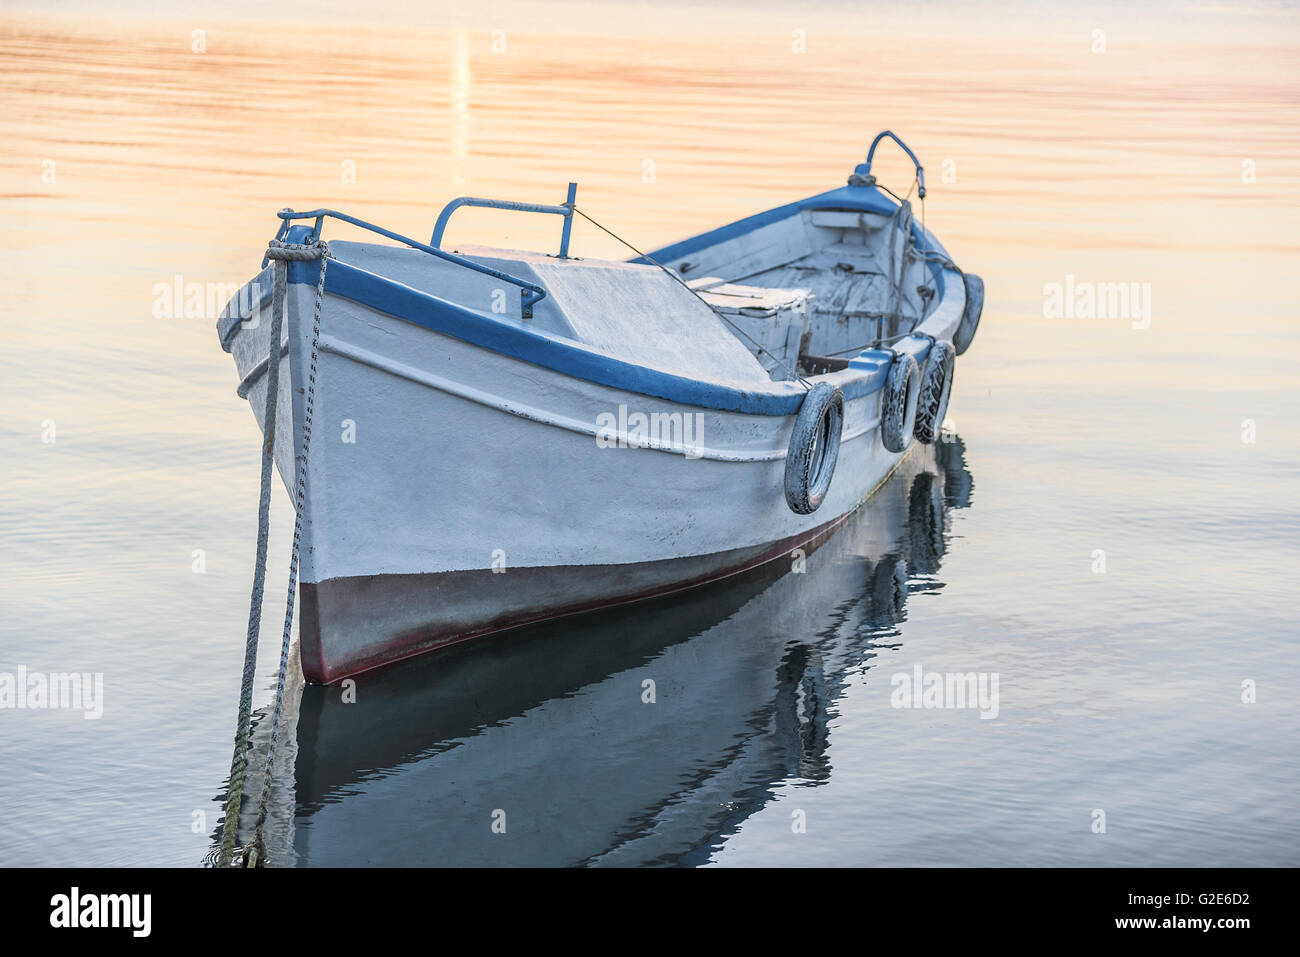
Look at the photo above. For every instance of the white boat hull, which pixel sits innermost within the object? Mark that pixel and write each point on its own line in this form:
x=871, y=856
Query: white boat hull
x=455, y=492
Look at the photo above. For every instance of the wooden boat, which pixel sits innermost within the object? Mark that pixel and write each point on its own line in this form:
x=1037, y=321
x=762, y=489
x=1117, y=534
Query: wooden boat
x=502, y=437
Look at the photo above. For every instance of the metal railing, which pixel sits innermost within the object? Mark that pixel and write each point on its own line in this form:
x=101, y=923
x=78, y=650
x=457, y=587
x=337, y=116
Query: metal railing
x=565, y=210
x=530, y=292
x=864, y=169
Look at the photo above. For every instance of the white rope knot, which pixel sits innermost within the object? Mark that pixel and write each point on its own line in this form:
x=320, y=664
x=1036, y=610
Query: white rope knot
x=298, y=252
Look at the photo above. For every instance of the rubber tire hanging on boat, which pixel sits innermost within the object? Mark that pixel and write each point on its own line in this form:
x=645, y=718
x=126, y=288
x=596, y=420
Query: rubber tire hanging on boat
x=898, y=404
x=814, y=447
x=970, y=316
x=936, y=386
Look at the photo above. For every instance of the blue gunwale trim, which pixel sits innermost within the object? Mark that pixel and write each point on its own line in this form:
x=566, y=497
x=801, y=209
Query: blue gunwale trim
x=571, y=358
x=865, y=199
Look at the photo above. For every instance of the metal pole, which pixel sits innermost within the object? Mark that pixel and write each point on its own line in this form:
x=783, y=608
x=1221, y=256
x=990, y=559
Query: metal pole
x=568, y=221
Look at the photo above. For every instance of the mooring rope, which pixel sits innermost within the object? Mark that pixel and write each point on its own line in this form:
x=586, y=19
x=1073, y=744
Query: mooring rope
x=254, y=852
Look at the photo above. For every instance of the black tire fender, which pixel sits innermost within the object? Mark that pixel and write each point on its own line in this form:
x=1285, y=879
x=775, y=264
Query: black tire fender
x=936, y=386
x=814, y=447
x=898, y=404
x=970, y=316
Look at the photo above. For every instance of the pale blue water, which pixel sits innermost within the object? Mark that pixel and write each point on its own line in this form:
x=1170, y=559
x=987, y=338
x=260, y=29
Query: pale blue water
x=773, y=739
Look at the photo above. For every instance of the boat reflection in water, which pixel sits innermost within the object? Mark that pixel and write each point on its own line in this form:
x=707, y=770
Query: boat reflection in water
x=548, y=731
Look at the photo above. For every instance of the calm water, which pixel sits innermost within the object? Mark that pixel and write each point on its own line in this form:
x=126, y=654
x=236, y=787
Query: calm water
x=128, y=497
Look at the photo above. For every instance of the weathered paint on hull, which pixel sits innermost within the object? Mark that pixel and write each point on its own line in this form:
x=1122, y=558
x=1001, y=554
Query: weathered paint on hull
x=401, y=527
x=351, y=625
